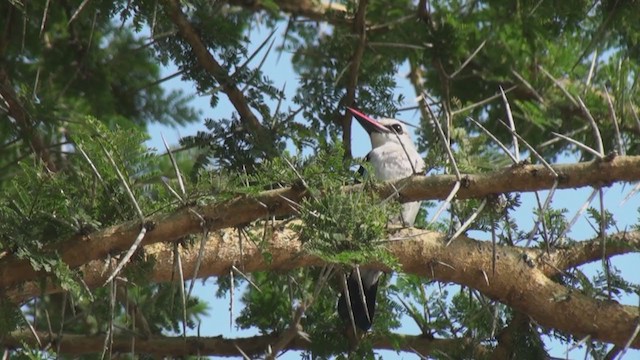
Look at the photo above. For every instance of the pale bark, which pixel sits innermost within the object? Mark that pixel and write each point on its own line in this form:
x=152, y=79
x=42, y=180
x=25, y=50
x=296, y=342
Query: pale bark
x=523, y=283
x=324, y=11
x=245, y=209
x=72, y=344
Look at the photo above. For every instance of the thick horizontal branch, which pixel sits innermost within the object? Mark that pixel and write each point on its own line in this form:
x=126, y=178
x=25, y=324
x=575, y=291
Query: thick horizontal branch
x=244, y=209
x=72, y=344
x=328, y=11
x=584, y=252
x=521, y=282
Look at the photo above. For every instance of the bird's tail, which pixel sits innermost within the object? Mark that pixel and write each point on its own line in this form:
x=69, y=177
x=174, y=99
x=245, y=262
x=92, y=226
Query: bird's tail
x=362, y=298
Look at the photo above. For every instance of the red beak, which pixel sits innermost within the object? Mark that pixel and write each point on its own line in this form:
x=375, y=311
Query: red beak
x=369, y=124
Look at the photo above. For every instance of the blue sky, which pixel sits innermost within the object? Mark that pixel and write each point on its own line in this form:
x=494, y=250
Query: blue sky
x=278, y=68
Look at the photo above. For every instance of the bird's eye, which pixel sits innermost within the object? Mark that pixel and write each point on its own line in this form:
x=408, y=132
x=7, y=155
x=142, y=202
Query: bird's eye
x=397, y=128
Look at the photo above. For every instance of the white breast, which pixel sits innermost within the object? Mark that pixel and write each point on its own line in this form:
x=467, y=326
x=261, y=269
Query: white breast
x=391, y=162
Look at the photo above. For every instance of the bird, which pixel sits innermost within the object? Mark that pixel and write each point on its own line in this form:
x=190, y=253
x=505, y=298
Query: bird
x=393, y=156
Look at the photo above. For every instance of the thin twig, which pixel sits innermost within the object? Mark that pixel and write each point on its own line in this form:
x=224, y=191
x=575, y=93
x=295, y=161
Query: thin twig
x=468, y=222
x=128, y=255
x=580, y=211
x=361, y=289
x=175, y=167
x=559, y=85
x=569, y=134
x=482, y=102
x=124, y=183
x=178, y=259
x=495, y=139
x=234, y=268
x=614, y=119
x=512, y=125
x=528, y=86
x=579, y=144
x=594, y=125
x=446, y=202
x=591, y=69
x=468, y=60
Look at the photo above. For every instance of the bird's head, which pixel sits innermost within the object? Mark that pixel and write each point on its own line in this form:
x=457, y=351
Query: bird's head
x=383, y=131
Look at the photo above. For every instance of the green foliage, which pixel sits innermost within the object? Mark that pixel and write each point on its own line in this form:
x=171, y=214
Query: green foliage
x=41, y=209
x=10, y=316
x=81, y=83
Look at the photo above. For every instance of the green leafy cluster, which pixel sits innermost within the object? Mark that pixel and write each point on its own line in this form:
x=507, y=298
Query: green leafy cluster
x=40, y=209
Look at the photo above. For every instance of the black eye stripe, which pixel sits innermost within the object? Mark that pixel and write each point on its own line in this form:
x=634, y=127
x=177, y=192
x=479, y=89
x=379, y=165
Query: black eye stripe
x=395, y=127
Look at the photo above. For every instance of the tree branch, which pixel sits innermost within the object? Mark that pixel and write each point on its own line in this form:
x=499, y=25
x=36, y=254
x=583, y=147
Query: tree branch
x=209, y=63
x=23, y=121
x=72, y=344
x=360, y=29
x=523, y=285
x=243, y=209
x=328, y=11
x=585, y=252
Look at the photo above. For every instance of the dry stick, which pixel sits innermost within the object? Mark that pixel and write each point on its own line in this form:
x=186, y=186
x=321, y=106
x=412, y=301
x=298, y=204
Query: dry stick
x=108, y=339
x=244, y=355
x=495, y=139
x=578, y=144
x=77, y=12
x=512, y=125
x=203, y=240
x=577, y=345
x=165, y=182
x=468, y=222
x=528, y=86
x=591, y=69
x=183, y=200
x=143, y=230
x=559, y=85
x=234, y=268
x=576, y=216
x=614, y=119
x=154, y=18
x=396, y=45
x=175, y=167
x=466, y=62
x=255, y=53
x=441, y=208
x=452, y=159
x=594, y=125
x=480, y=103
x=390, y=23
x=535, y=153
x=63, y=313
x=178, y=259
x=628, y=344
x=603, y=237
x=411, y=312
x=635, y=115
x=361, y=288
x=232, y=290
x=36, y=83
x=289, y=334
x=31, y=329
x=44, y=18
x=128, y=255
x=124, y=183
x=264, y=59
x=551, y=191
x=347, y=298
